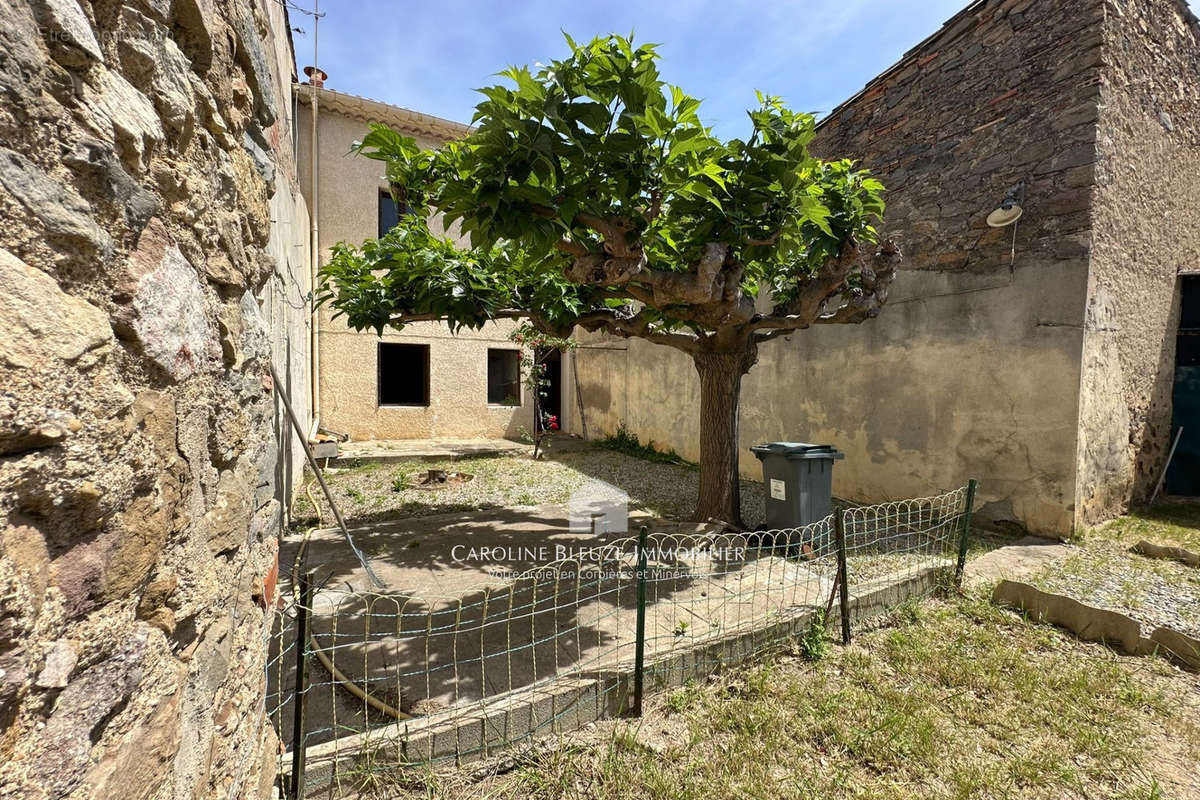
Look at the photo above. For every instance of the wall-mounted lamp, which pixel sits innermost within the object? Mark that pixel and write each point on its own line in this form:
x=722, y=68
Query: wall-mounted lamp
x=1007, y=214
x=316, y=76
x=1010, y=207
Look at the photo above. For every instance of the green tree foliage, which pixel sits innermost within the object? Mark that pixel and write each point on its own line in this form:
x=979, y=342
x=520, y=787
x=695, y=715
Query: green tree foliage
x=592, y=194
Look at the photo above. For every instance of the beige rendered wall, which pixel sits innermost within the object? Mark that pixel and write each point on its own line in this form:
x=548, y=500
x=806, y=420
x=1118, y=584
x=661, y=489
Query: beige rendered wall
x=973, y=368
x=1147, y=229
x=283, y=300
x=458, y=407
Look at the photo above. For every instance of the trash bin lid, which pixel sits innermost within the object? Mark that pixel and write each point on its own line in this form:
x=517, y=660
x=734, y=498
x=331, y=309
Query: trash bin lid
x=796, y=450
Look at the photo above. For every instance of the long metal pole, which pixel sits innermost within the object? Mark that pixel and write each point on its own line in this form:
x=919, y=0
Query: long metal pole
x=639, y=658
x=839, y=528
x=965, y=536
x=312, y=462
x=315, y=243
x=300, y=706
x=1166, y=466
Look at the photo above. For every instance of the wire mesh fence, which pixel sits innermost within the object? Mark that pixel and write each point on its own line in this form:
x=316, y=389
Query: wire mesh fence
x=363, y=680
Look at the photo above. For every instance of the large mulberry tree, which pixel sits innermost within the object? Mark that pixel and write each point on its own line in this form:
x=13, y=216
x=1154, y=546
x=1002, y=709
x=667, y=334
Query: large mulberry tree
x=592, y=195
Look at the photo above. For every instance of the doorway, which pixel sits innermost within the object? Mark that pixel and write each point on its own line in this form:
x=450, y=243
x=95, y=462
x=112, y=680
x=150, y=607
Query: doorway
x=551, y=402
x=1183, y=475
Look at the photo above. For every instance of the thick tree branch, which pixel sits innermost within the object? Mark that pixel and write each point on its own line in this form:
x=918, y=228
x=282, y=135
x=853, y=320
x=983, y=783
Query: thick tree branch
x=572, y=248
x=766, y=336
x=869, y=297
x=613, y=231
x=767, y=242
x=506, y=313
x=812, y=304
x=636, y=326
x=829, y=280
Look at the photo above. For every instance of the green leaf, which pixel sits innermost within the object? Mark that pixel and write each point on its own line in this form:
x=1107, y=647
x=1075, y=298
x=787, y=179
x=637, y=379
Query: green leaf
x=599, y=130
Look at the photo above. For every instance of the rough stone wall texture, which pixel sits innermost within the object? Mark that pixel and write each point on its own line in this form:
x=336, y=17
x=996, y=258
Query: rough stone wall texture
x=349, y=195
x=1147, y=229
x=140, y=146
x=972, y=370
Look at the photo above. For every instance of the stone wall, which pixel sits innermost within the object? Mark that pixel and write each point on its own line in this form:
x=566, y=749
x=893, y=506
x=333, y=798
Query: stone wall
x=144, y=177
x=1147, y=229
x=972, y=370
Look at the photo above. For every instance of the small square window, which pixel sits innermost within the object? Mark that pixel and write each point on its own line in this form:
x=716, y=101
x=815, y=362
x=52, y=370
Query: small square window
x=504, y=377
x=1189, y=305
x=403, y=374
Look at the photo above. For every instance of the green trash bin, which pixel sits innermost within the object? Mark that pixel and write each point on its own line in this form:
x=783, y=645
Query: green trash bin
x=799, y=481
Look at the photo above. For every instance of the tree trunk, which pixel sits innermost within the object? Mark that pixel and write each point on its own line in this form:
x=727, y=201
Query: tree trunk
x=720, y=387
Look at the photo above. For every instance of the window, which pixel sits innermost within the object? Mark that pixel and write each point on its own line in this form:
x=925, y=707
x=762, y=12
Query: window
x=389, y=217
x=403, y=374
x=1187, y=339
x=504, y=377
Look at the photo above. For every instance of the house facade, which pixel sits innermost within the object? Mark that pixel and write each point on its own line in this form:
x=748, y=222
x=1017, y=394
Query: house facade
x=423, y=381
x=1039, y=357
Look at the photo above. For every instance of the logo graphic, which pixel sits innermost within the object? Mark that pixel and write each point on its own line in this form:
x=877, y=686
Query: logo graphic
x=598, y=506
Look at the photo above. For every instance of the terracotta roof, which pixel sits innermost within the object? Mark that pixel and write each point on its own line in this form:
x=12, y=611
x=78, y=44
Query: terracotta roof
x=368, y=110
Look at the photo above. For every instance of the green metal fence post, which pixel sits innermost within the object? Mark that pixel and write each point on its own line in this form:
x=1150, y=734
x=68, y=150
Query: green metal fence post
x=843, y=575
x=965, y=536
x=639, y=658
x=300, y=693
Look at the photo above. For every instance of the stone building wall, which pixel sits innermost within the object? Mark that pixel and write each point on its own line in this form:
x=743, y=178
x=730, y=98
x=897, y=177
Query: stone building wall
x=1147, y=230
x=972, y=369
x=144, y=147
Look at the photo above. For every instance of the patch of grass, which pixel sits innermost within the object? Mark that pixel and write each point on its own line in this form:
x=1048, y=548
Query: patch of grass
x=963, y=701
x=1172, y=523
x=683, y=698
x=626, y=442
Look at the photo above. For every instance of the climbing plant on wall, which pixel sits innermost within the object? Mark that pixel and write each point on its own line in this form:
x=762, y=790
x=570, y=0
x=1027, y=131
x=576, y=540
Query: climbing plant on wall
x=536, y=348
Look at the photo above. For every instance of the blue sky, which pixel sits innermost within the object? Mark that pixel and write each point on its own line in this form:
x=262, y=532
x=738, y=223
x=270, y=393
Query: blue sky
x=429, y=56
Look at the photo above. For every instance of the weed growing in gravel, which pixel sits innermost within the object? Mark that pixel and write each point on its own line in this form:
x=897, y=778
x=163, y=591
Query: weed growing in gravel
x=1104, y=573
x=627, y=442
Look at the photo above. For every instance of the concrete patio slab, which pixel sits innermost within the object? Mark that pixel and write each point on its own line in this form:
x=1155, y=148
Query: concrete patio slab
x=1023, y=557
x=481, y=604
x=387, y=451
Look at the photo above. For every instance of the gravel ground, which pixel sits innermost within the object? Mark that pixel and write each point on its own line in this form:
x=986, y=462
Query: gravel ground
x=376, y=492
x=1104, y=574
